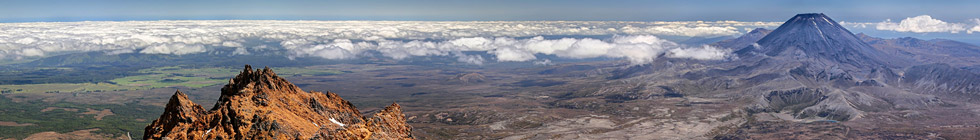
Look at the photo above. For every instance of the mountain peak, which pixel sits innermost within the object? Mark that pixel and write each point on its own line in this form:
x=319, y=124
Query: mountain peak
x=810, y=15
x=180, y=102
x=259, y=80
x=760, y=31
x=257, y=104
x=815, y=36
x=179, y=112
x=744, y=41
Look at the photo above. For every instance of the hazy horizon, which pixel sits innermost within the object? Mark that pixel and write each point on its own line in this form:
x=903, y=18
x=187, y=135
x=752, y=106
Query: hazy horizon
x=446, y=10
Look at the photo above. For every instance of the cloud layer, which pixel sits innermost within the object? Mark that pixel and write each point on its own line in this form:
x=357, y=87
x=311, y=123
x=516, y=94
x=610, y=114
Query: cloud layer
x=505, y=40
x=976, y=28
x=922, y=24
x=638, y=49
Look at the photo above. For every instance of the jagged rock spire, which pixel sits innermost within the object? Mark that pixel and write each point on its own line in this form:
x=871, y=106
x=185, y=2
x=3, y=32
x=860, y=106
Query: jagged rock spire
x=263, y=79
x=258, y=104
x=179, y=112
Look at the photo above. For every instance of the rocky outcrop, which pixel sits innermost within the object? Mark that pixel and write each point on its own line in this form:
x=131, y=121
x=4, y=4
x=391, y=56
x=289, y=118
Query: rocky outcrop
x=261, y=105
x=794, y=100
x=808, y=103
x=180, y=113
x=469, y=78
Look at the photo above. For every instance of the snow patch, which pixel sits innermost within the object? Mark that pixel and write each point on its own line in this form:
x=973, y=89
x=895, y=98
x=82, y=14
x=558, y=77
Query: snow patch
x=336, y=122
x=207, y=132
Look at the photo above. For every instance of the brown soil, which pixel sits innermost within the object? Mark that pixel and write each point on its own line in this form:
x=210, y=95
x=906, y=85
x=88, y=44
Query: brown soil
x=98, y=114
x=6, y=123
x=56, y=108
x=74, y=135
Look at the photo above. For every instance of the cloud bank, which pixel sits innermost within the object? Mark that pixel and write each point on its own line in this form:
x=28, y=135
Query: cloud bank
x=976, y=28
x=638, y=49
x=506, y=41
x=924, y=24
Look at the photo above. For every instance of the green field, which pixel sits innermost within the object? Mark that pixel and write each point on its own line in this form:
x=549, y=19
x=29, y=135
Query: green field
x=160, y=77
x=130, y=117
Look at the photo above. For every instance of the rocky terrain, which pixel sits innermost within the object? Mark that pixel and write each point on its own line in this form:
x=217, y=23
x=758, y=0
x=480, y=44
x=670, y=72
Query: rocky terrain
x=261, y=105
x=957, y=54
x=808, y=79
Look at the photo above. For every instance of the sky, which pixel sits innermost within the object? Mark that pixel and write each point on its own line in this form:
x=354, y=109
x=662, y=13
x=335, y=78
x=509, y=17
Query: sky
x=454, y=10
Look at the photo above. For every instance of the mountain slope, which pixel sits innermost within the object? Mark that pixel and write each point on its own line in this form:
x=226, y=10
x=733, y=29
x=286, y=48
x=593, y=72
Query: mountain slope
x=744, y=40
x=808, y=68
x=955, y=53
x=261, y=105
x=816, y=37
x=809, y=79
x=943, y=79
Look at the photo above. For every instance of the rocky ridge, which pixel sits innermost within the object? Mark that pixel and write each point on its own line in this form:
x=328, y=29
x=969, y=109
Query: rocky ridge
x=261, y=105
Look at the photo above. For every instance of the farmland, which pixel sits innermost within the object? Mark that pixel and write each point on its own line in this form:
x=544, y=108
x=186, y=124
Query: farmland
x=158, y=77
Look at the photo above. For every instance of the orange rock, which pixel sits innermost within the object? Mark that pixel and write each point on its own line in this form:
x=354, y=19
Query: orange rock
x=260, y=105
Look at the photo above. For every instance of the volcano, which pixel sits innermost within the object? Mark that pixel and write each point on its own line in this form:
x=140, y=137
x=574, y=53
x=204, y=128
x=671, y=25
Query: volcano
x=816, y=37
x=809, y=67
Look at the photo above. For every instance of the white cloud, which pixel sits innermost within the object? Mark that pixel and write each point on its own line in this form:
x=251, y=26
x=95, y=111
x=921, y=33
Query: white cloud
x=231, y=44
x=637, y=49
x=27, y=40
x=584, y=48
x=545, y=62
x=470, y=59
x=976, y=26
x=31, y=52
x=120, y=51
x=401, y=50
x=680, y=30
x=240, y=51
x=176, y=49
x=505, y=40
x=512, y=54
x=703, y=53
x=331, y=52
x=858, y=24
x=337, y=49
x=921, y=24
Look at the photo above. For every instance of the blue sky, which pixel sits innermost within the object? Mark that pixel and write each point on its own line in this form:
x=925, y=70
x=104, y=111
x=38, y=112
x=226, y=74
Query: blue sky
x=963, y=12
x=629, y=10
